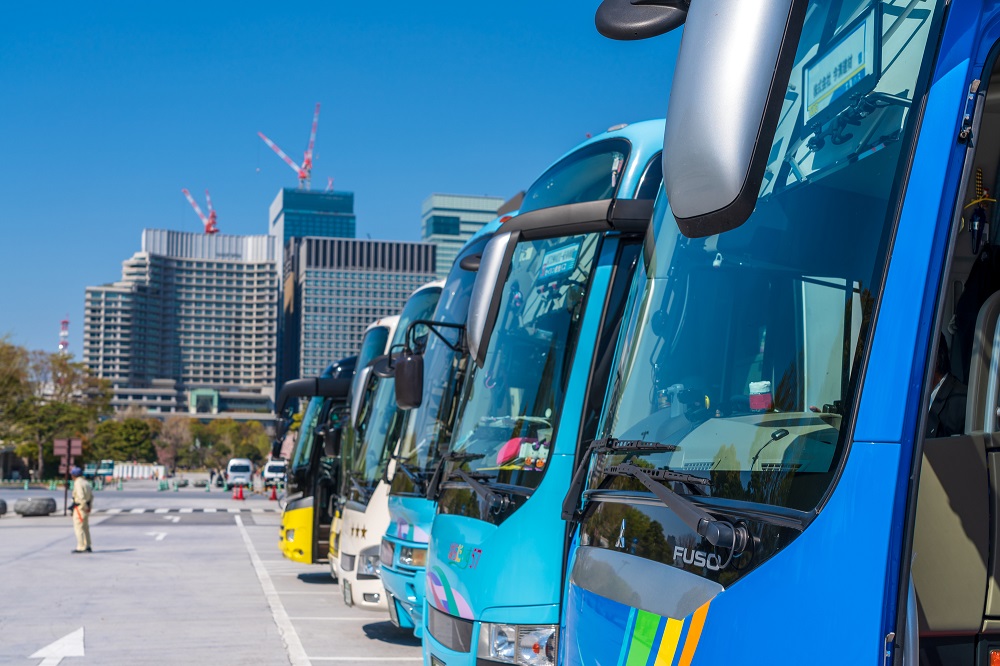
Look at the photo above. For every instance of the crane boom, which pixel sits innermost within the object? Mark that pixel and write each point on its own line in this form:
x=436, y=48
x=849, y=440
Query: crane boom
x=194, y=205
x=304, y=171
x=210, y=221
x=288, y=160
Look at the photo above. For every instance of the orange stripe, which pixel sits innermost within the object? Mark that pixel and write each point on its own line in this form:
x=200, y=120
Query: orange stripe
x=694, y=635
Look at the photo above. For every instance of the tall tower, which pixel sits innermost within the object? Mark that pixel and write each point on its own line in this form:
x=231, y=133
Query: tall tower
x=64, y=336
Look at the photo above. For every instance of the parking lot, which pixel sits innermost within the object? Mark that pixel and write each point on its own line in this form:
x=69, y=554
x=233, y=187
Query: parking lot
x=175, y=577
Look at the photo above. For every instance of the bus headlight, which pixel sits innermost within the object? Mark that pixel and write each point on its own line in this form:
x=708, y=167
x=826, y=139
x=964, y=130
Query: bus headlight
x=368, y=563
x=527, y=644
x=413, y=557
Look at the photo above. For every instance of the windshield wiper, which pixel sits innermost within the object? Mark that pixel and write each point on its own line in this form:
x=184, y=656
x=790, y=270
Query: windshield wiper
x=717, y=532
x=416, y=476
x=495, y=502
x=608, y=445
x=453, y=456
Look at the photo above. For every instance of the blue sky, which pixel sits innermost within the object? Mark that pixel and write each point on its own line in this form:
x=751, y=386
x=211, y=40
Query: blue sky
x=109, y=109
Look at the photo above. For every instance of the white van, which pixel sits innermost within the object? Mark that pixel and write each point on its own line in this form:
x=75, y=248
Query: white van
x=239, y=472
x=274, y=473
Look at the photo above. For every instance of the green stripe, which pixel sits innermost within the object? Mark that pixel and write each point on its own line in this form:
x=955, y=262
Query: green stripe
x=449, y=597
x=642, y=638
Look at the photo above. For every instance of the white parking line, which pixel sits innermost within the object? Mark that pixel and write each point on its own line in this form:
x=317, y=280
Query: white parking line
x=331, y=619
x=379, y=659
x=296, y=653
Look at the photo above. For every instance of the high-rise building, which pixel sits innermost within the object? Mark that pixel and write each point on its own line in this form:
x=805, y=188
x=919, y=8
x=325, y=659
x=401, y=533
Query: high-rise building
x=335, y=287
x=449, y=220
x=300, y=213
x=190, y=327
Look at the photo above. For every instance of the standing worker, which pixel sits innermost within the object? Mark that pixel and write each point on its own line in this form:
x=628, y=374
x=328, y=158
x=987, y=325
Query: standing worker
x=83, y=498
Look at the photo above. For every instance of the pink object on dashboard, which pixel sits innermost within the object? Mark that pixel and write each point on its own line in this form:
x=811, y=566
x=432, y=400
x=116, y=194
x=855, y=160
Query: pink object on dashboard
x=511, y=450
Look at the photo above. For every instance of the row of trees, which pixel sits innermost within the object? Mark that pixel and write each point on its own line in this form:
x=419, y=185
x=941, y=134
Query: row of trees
x=46, y=396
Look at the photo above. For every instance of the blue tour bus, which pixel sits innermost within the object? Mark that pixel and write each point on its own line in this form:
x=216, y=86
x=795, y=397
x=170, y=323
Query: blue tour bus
x=424, y=427
x=798, y=459
x=551, y=281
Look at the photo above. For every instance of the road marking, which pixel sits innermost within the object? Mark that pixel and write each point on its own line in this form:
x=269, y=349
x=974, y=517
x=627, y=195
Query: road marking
x=160, y=536
x=331, y=619
x=212, y=510
x=379, y=659
x=232, y=510
x=161, y=510
x=113, y=511
x=296, y=653
x=137, y=511
x=173, y=519
x=70, y=645
x=186, y=511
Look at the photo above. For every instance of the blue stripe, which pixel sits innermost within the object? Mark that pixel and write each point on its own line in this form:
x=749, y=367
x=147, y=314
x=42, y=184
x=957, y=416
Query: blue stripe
x=655, y=647
x=627, y=638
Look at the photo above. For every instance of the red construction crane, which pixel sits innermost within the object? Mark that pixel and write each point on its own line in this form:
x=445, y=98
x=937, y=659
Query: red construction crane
x=209, y=222
x=305, y=171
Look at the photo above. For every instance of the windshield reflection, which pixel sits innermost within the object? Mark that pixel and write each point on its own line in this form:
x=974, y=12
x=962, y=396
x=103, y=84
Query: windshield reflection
x=508, y=418
x=743, y=349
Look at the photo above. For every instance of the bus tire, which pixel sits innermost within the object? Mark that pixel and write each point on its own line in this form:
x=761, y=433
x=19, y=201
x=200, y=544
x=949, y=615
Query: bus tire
x=3, y=507
x=34, y=506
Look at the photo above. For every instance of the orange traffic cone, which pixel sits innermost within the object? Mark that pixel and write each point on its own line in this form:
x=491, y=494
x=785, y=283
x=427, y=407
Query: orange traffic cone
x=236, y=490
x=240, y=495
x=274, y=494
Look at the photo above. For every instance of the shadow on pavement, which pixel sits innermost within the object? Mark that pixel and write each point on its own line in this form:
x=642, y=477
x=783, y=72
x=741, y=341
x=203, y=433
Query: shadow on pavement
x=389, y=633
x=113, y=550
x=317, y=578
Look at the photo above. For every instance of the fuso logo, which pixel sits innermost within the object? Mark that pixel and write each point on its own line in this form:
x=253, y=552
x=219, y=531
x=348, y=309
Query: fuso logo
x=697, y=558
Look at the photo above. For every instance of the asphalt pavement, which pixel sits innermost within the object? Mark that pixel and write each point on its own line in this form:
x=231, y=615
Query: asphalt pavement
x=186, y=577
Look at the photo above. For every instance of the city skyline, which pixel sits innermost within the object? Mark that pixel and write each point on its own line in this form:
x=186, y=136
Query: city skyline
x=112, y=110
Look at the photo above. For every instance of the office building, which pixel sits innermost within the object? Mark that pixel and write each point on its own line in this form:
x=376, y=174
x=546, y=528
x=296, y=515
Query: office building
x=299, y=213
x=335, y=287
x=190, y=327
x=449, y=220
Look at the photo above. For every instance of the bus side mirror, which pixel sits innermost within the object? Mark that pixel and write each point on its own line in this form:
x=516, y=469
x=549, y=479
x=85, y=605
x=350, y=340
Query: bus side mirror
x=409, y=380
x=484, y=303
x=639, y=19
x=359, y=388
x=716, y=144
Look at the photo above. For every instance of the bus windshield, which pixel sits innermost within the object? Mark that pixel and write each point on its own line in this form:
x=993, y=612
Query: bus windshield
x=429, y=427
x=742, y=349
x=378, y=426
x=589, y=174
x=304, y=443
x=372, y=346
x=510, y=407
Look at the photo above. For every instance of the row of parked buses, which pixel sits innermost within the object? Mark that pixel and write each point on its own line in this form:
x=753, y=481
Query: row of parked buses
x=754, y=421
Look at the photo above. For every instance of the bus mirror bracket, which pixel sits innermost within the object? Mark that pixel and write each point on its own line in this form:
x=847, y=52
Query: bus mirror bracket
x=715, y=154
